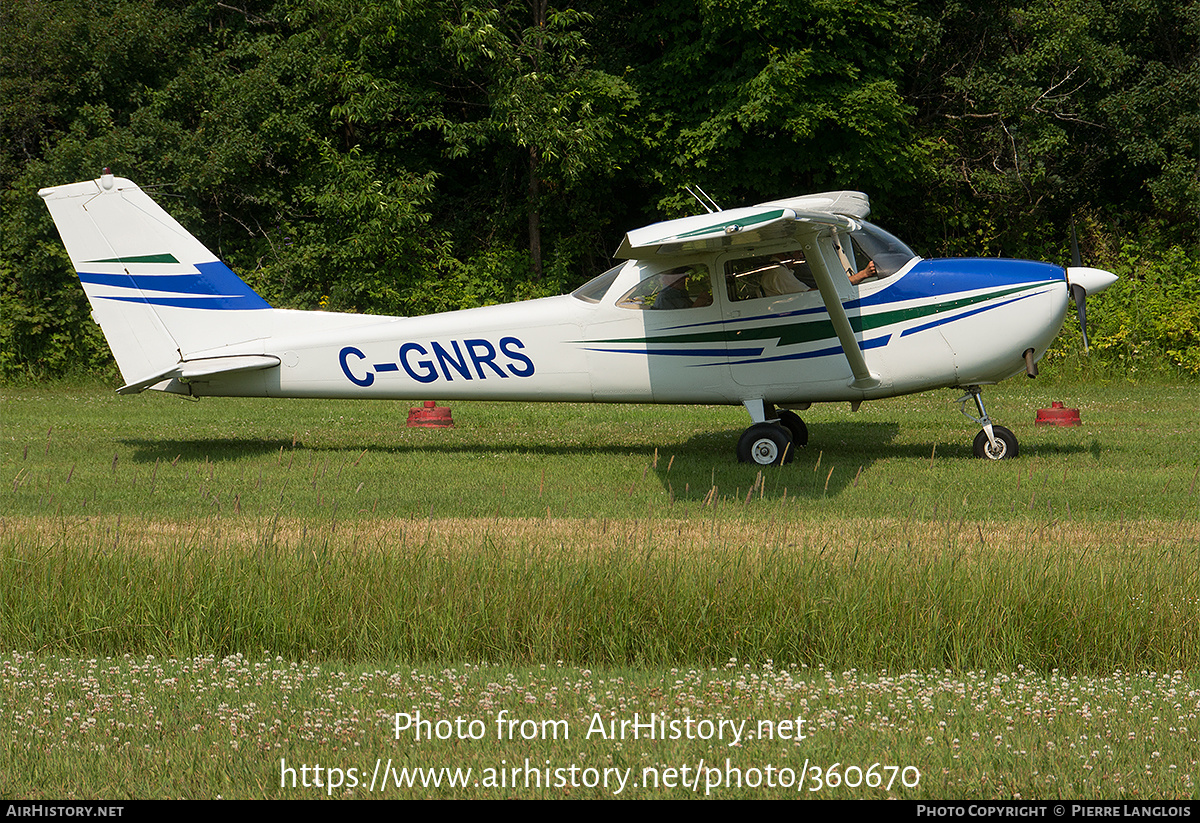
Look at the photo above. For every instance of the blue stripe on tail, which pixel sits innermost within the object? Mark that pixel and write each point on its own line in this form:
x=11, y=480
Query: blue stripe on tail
x=214, y=286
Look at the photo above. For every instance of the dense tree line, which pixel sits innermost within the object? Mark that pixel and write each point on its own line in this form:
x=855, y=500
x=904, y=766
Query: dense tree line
x=404, y=156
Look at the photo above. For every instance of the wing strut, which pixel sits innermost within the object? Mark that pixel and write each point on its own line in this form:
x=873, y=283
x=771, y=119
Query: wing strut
x=819, y=265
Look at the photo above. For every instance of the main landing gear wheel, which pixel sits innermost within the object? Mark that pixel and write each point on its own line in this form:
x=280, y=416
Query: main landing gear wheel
x=1006, y=444
x=766, y=444
x=792, y=422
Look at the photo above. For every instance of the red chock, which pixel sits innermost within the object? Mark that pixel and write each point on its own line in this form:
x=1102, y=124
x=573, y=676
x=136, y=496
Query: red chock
x=431, y=416
x=1056, y=415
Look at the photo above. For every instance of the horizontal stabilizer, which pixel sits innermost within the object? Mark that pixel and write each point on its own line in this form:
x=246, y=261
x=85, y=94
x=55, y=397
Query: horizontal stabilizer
x=201, y=368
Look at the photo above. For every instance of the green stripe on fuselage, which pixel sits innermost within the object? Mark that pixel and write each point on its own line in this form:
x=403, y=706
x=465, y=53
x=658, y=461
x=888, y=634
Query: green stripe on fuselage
x=808, y=331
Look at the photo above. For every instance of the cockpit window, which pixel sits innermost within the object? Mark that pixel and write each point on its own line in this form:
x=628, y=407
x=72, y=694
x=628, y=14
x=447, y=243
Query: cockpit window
x=874, y=245
x=768, y=276
x=683, y=287
x=593, y=291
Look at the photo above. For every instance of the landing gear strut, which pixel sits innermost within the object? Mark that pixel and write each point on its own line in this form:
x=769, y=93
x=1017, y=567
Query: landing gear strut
x=994, y=442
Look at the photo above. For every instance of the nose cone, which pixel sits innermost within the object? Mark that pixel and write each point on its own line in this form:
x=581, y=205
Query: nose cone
x=1092, y=280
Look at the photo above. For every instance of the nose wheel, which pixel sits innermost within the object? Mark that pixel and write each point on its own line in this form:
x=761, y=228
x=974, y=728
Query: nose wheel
x=1005, y=444
x=993, y=442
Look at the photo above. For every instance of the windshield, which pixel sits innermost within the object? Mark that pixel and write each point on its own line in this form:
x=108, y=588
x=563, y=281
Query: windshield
x=594, y=290
x=873, y=244
x=682, y=287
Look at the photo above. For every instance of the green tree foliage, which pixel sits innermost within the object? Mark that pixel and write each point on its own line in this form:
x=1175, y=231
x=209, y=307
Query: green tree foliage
x=397, y=156
x=544, y=108
x=1147, y=323
x=68, y=73
x=755, y=99
x=1155, y=116
x=1032, y=110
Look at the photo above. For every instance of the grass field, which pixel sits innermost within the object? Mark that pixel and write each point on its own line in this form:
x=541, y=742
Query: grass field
x=198, y=597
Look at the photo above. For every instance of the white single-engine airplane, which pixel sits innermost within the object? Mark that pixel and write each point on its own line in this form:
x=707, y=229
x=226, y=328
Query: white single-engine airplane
x=774, y=307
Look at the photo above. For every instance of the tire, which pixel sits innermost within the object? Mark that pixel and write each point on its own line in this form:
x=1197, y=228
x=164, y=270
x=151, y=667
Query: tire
x=765, y=444
x=1005, y=440
x=792, y=422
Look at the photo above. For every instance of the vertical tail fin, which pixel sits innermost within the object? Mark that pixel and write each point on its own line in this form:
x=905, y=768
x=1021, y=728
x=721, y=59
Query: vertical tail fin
x=156, y=291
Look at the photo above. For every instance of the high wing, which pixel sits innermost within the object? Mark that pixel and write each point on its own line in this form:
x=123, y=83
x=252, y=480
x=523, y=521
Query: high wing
x=776, y=220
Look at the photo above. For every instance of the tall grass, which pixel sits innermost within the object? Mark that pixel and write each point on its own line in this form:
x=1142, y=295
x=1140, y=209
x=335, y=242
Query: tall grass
x=656, y=593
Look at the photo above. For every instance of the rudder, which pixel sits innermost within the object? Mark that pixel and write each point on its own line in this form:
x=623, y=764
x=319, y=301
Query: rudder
x=157, y=292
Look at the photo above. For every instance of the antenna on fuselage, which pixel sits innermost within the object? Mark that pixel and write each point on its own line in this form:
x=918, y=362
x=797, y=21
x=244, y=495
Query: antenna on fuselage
x=703, y=199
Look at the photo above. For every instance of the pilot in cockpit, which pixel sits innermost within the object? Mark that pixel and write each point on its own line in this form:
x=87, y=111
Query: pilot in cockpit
x=862, y=274
x=676, y=292
x=780, y=278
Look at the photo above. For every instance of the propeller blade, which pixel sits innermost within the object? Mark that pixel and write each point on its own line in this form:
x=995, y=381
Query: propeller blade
x=1083, y=280
x=1079, y=293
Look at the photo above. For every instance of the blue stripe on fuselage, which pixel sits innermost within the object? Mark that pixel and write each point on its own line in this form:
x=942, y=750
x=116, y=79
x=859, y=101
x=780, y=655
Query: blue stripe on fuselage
x=937, y=278
x=941, y=321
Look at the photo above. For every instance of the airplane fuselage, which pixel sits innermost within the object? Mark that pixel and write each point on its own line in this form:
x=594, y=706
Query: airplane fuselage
x=938, y=323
